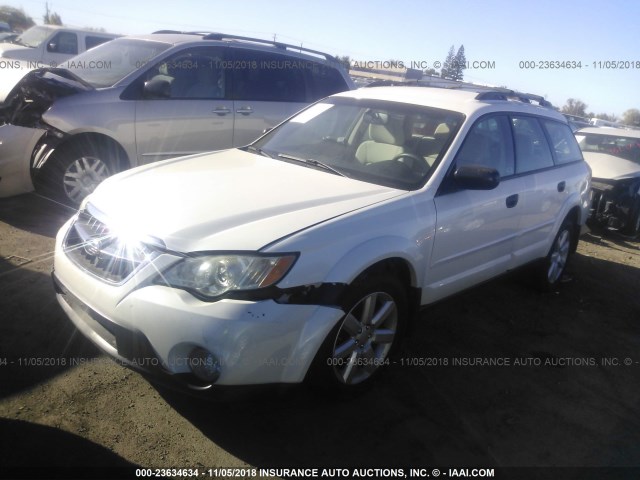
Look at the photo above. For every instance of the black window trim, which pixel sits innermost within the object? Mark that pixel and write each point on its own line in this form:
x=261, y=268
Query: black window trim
x=133, y=91
x=447, y=186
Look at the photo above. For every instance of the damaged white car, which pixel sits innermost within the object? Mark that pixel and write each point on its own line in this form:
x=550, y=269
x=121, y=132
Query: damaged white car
x=614, y=157
x=305, y=254
x=136, y=100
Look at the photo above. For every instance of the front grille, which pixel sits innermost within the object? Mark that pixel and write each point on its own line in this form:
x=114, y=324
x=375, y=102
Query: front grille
x=107, y=254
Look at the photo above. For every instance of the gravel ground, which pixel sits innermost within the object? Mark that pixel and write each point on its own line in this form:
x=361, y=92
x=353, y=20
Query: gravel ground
x=561, y=396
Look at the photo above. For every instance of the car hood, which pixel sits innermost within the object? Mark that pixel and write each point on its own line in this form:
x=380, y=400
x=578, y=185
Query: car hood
x=228, y=200
x=7, y=48
x=34, y=94
x=610, y=167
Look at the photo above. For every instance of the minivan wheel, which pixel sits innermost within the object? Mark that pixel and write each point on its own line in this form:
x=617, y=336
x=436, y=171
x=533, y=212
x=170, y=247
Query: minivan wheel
x=75, y=170
x=555, y=263
x=363, y=341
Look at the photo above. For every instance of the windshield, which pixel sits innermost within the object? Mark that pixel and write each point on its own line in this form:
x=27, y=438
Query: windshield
x=386, y=143
x=627, y=148
x=110, y=62
x=33, y=36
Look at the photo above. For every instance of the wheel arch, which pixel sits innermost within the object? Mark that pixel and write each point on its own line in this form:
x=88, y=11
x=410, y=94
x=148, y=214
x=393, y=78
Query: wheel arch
x=573, y=216
x=50, y=143
x=100, y=139
x=386, y=256
x=401, y=269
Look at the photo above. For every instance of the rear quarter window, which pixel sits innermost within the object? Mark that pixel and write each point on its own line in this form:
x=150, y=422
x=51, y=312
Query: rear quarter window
x=563, y=143
x=324, y=80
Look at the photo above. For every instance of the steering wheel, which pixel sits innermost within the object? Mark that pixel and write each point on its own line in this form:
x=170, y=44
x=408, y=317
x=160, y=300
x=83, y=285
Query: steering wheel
x=416, y=164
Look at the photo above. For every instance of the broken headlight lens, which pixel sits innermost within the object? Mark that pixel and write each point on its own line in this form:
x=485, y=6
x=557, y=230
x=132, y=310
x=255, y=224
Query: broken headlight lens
x=210, y=276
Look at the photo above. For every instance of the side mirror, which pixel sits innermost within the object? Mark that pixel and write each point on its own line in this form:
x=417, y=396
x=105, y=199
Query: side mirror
x=476, y=177
x=156, y=88
x=52, y=47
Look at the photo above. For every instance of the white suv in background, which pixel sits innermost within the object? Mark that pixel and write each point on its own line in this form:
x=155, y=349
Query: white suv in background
x=307, y=252
x=139, y=99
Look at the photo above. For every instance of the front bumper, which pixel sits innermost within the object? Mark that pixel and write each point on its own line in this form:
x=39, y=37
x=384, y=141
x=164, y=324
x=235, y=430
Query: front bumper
x=154, y=328
x=612, y=202
x=16, y=147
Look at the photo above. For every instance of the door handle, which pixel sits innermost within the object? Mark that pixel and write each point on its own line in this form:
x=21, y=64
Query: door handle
x=562, y=186
x=512, y=200
x=245, y=110
x=221, y=111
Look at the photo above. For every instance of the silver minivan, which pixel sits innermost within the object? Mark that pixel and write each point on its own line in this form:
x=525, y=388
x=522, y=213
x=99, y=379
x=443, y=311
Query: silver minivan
x=140, y=99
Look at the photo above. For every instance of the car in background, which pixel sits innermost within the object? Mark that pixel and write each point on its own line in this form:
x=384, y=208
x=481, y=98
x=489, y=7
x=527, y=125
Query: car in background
x=614, y=157
x=576, y=122
x=50, y=45
x=140, y=99
x=305, y=254
x=8, y=37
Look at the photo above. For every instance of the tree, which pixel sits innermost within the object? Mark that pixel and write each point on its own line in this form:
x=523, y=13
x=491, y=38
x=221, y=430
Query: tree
x=16, y=18
x=432, y=72
x=631, y=117
x=447, y=66
x=459, y=64
x=345, y=60
x=607, y=117
x=51, y=18
x=575, y=107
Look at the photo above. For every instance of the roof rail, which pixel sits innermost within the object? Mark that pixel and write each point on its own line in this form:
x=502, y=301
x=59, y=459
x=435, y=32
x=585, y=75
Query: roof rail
x=506, y=94
x=178, y=32
x=280, y=45
x=224, y=36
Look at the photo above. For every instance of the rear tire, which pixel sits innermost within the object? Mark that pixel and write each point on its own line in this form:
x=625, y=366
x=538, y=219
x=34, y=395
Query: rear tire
x=554, y=265
x=363, y=341
x=75, y=169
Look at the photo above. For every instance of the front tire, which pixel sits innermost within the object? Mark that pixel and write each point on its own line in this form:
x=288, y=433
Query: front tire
x=76, y=169
x=363, y=341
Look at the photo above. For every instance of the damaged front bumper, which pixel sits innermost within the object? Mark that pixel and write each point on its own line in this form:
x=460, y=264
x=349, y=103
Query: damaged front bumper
x=16, y=147
x=613, y=201
x=25, y=140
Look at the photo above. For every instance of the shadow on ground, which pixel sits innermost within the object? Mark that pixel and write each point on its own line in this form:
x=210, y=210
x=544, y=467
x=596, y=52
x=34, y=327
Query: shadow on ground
x=28, y=450
x=559, y=406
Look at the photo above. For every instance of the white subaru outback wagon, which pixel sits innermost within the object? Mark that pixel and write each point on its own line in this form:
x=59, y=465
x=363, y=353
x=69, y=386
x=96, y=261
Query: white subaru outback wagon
x=306, y=253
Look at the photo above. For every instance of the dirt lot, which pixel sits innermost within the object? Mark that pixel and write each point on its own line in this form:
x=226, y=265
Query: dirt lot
x=566, y=397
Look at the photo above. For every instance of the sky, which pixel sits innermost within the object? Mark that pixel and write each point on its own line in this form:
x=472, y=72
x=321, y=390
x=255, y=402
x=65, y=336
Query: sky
x=513, y=43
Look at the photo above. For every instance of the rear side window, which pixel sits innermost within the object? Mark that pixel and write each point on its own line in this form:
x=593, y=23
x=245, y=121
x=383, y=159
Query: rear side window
x=565, y=147
x=489, y=144
x=196, y=73
x=91, y=41
x=532, y=149
x=268, y=77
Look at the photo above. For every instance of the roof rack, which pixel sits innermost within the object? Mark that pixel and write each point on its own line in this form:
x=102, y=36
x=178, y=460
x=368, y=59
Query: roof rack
x=506, y=94
x=279, y=45
x=484, y=92
x=177, y=32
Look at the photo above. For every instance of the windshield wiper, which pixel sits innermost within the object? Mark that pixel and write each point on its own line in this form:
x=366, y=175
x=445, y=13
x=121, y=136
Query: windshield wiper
x=315, y=163
x=259, y=151
x=17, y=41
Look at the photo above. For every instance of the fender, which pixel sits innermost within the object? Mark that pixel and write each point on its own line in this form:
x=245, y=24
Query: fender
x=374, y=251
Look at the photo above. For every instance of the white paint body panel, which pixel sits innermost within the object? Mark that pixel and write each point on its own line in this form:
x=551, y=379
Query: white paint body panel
x=234, y=200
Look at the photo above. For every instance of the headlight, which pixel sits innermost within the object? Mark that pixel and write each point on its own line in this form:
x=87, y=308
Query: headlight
x=214, y=275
